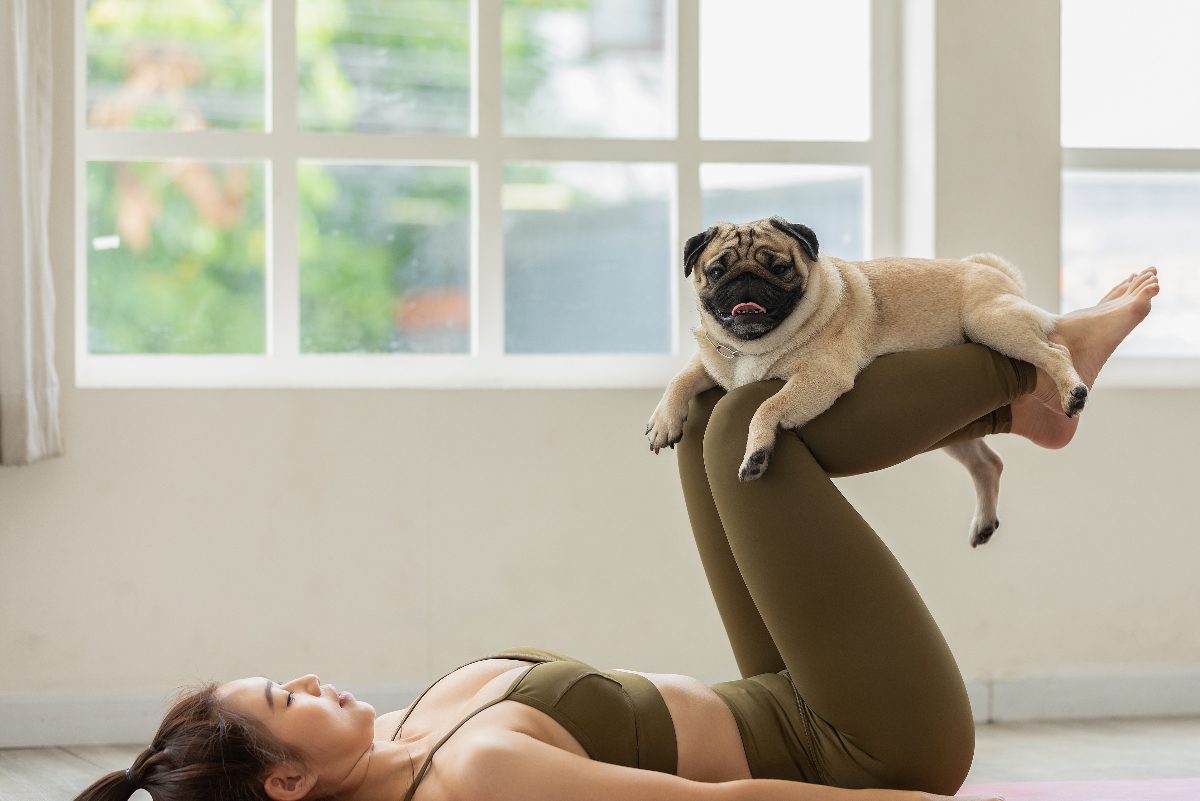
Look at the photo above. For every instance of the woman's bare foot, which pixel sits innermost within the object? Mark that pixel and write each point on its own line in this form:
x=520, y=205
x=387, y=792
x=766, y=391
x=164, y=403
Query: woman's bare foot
x=1091, y=334
x=1119, y=289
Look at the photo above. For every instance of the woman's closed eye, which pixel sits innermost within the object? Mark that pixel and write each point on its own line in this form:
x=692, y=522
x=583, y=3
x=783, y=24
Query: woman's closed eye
x=290, y=694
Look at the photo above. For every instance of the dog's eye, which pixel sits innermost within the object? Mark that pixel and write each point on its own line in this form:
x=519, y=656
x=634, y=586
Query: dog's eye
x=781, y=267
x=715, y=273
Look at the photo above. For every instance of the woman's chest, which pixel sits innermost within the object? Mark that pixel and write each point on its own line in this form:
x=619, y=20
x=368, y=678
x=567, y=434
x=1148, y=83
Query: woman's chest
x=470, y=696
x=708, y=744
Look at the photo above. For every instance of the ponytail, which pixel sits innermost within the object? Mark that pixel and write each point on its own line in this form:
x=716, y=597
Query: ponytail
x=110, y=787
x=201, y=752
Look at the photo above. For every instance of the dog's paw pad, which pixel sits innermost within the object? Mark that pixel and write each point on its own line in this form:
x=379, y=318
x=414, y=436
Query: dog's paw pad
x=985, y=532
x=754, y=465
x=982, y=536
x=1076, y=400
x=748, y=473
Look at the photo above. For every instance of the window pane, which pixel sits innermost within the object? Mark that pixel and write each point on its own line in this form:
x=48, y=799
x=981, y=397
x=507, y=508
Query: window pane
x=830, y=200
x=587, y=258
x=586, y=68
x=795, y=70
x=160, y=65
x=1129, y=73
x=385, y=256
x=175, y=263
x=1116, y=223
x=384, y=67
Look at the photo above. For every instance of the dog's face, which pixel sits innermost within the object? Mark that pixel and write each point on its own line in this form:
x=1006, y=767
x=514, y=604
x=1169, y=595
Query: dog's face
x=750, y=277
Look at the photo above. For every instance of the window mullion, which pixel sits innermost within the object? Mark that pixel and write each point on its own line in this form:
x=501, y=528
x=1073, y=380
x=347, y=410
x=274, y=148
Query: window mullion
x=884, y=199
x=689, y=213
x=283, y=266
x=488, y=258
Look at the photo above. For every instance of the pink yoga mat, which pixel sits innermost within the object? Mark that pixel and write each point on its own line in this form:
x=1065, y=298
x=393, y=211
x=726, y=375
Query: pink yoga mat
x=1126, y=790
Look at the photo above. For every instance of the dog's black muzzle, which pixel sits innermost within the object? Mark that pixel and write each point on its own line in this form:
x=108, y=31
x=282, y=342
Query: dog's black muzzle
x=737, y=302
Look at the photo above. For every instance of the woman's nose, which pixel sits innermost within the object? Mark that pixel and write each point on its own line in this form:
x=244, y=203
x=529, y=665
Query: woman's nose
x=308, y=683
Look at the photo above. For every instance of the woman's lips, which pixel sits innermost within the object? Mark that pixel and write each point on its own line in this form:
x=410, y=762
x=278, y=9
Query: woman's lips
x=344, y=698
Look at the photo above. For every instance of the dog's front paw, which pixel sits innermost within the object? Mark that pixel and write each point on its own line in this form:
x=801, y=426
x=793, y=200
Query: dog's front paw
x=754, y=465
x=665, y=429
x=982, y=532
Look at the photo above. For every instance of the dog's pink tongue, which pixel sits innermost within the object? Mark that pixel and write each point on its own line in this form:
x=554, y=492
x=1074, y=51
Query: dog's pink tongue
x=748, y=308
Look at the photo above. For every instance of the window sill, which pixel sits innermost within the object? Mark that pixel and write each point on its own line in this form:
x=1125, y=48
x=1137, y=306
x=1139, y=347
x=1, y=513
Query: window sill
x=439, y=371
x=380, y=371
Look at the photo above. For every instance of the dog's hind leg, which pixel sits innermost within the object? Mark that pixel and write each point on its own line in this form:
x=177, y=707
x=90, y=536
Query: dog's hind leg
x=984, y=465
x=1015, y=327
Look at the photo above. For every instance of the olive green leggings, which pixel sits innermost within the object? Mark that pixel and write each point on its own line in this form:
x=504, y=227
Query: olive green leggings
x=846, y=676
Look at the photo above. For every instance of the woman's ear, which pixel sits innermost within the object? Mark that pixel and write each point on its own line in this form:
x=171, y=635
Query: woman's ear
x=289, y=782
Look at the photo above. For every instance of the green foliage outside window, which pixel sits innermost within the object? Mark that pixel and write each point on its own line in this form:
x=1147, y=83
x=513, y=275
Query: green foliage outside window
x=176, y=254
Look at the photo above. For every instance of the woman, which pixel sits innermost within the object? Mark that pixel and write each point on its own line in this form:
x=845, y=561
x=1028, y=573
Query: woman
x=849, y=692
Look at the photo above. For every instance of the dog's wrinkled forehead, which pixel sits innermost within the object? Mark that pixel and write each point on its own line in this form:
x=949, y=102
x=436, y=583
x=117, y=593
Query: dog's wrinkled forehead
x=749, y=241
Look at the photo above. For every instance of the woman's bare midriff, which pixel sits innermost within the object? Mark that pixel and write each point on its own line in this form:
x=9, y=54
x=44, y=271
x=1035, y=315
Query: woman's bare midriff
x=708, y=745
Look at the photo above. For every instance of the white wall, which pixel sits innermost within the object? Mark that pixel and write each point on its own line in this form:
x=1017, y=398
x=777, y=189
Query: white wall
x=382, y=537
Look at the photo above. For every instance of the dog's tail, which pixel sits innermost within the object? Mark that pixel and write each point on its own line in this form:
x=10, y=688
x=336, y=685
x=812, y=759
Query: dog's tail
x=1004, y=266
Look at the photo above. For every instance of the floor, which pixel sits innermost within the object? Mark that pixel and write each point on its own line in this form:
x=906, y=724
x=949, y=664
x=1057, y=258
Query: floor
x=1152, y=748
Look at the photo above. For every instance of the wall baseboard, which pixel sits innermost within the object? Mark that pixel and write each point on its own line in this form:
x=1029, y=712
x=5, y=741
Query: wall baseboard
x=64, y=721
x=1095, y=694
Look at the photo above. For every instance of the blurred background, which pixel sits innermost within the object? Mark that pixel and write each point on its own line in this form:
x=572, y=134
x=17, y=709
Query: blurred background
x=379, y=537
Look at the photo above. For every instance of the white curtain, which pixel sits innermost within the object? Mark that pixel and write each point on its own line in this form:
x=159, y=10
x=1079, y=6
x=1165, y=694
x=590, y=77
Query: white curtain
x=28, y=382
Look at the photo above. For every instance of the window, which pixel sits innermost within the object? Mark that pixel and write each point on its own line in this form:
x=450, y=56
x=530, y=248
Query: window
x=1131, y=183
x=451, y=193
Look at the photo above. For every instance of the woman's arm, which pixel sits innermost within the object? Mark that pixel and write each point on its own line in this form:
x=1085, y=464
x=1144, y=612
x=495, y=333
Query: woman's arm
x=509, y=766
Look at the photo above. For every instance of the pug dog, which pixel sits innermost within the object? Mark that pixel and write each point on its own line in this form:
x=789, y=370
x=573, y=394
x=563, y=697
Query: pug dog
x=772, y=305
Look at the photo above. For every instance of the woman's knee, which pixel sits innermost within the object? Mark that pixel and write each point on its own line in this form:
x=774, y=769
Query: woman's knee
x=936, y=757
x=700, y=409
x=730, y=418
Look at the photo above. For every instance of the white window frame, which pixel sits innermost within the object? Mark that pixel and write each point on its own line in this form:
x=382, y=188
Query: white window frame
x=1135, y=372
x=282, y=146
x=1143, y=372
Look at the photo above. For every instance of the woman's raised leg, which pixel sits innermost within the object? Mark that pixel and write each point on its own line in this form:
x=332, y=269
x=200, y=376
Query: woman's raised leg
x=886, y=697
x=907, y=403
x=854, y=435
x=807, y=612
x=753, y=648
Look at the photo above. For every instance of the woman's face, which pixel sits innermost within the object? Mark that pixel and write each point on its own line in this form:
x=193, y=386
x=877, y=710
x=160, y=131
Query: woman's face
x=331, y=729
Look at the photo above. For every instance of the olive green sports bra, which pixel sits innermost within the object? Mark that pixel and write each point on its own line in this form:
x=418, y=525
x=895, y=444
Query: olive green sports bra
x=617, y=717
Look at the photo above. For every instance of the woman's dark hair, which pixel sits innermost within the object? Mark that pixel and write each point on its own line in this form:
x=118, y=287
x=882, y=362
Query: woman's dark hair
x=201, y=752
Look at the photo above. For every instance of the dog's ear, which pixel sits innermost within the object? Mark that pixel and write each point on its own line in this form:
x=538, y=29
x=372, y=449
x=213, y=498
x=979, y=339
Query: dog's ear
x=801, y=233
x=692, y=248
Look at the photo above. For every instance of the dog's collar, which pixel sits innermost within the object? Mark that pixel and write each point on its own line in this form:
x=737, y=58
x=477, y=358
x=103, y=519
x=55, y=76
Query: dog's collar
x=721, y=349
